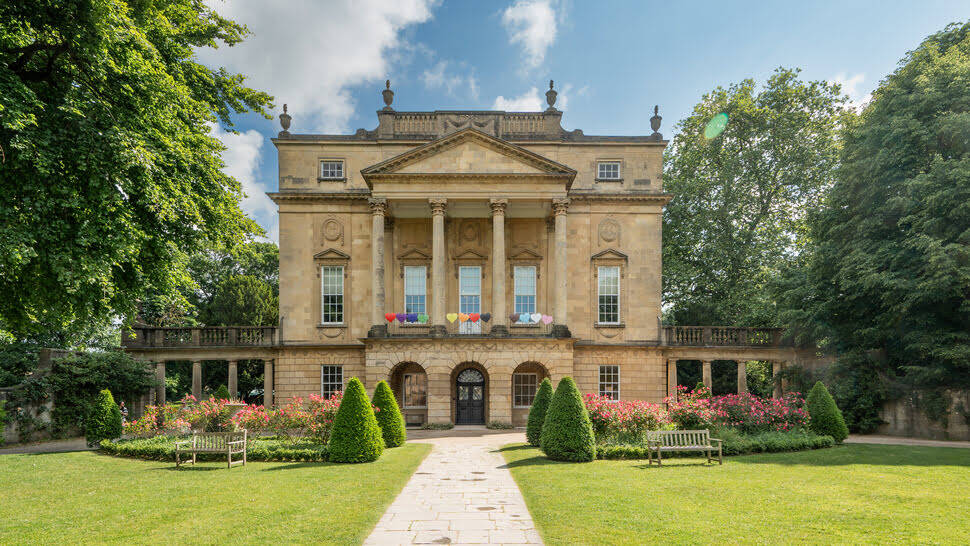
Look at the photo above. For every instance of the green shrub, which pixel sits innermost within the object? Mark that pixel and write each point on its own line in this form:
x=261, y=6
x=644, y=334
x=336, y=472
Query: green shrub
x=3, y=423
x=537, y=414
x=826, y=417
x=222, y=393
x=104, y=421
x=356, y=436
x=499, y=425
x=389, y=416
x=437, y=426
x=735, y=443
x=162, y=448
x=567, y=433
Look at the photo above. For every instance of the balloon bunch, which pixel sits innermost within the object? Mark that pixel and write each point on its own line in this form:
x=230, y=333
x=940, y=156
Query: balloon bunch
x=530, y=318
x=419, y=318
x=468, y=317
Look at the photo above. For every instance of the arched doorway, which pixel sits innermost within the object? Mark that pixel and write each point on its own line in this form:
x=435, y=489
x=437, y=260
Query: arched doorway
x=409, y=382
x=470, y=395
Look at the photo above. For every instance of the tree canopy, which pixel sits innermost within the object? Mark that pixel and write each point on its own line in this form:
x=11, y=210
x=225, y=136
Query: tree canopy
x=110, y=175
x=738, y=212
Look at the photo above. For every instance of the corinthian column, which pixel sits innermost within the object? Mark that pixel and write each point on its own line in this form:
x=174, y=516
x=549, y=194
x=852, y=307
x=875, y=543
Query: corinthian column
x=438, y=265
x=378, y=207
x=559, y=326
x=499, y=327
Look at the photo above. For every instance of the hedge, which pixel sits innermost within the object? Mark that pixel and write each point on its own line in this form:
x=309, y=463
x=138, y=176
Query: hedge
x=389, y=416
x=567, y=433
x=537, y=414
x=162, y=448
x=356, y=437
x=104, y=420
x=735, y=443
x=826, y=417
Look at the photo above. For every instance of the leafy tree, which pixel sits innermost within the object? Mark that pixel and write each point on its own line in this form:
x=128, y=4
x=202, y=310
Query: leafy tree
x=222, y=393
x=826, y=418
x=242, y=300
x=886, y=283
x=537, y=414
x=104, y=421
x=356, y=437
x=110, y=174
x=389, y=416
x=738, y=211
x=567, y=433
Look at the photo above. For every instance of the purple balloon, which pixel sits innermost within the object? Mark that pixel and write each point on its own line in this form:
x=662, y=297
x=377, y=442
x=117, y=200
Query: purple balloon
x=401, y=317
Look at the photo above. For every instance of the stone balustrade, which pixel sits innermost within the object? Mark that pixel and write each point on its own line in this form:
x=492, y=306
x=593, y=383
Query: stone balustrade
x=211, y=336
x=722, y=336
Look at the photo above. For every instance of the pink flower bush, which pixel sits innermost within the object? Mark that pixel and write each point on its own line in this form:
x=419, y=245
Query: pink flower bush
x=745, y=412
x=691, y=409
x=624, y=421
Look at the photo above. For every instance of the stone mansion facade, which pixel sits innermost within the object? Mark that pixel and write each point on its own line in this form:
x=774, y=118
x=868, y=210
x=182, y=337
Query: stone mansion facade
x=463, y=256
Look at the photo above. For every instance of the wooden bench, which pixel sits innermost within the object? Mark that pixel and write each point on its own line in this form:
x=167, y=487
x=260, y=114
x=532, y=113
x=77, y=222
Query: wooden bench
x=230, y=443
x=659, y=441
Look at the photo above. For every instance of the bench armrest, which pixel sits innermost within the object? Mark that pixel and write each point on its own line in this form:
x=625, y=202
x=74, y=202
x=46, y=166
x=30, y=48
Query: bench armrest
x=183, y=443
x=236, y=442
x=718, y=440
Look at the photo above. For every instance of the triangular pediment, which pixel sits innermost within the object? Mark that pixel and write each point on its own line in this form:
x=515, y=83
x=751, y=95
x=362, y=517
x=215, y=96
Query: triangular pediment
x=526, y=254
x=470, y=255
x=413, y=254
x=469, y=151
x=610, y=254
x=331, y=254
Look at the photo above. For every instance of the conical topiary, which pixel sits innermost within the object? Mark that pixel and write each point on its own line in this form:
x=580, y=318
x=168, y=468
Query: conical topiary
x=222, y=393
x=355, y=436
x=825, y=414
x=567, y=433
x=389, y=416
x=537, y=414
x=104, y=421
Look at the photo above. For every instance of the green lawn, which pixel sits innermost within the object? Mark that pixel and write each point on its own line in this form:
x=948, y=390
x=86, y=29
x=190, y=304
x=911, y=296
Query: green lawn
x=846, y=494
x=90, y=498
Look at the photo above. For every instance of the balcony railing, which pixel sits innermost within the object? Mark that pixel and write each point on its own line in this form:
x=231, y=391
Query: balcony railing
x=467, y=329
x=211, y=336
x=723, y=336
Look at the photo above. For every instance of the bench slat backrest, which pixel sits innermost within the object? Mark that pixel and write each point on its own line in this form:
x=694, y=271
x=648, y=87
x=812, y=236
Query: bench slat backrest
x=215, y=440
x=680, y=438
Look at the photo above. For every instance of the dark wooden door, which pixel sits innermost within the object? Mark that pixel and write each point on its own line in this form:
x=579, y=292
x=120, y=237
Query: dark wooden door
x=470, y=408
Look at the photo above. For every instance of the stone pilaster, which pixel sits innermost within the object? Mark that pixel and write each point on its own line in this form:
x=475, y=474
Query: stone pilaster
x=671, y=377
x=499, y=327
x=378, y=207
x=197, y=379
x=706, y=373
x=560, y=327
x=233, y=379
x=160, y=383
x=776, y=368
x=742, y=377
x=268, y=383
x=438, y=287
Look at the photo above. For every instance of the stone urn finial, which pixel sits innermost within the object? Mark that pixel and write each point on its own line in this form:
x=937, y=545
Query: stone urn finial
x=388, y=95
x=285, y=122
x=551, y=96
x=655, y=120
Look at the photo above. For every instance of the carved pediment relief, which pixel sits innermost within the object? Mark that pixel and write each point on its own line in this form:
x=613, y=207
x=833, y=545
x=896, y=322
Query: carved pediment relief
x=471, y=255
x=413, y=254
x=526, y=254
x=332, y=254
x=610, y=254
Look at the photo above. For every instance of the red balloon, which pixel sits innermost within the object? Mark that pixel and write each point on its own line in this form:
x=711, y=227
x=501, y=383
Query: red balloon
x=474, y=317
x=389, y=317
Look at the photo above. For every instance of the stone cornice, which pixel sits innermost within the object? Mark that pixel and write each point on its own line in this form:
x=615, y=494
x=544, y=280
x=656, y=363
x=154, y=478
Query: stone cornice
x=658, y=198
x=310, y=197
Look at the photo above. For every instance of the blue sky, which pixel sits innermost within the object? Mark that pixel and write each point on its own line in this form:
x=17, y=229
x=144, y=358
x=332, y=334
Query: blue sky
x=611, y=60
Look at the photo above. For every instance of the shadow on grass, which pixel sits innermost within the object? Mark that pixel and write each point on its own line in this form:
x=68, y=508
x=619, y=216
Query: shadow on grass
x=863, y=454
x=293, y=466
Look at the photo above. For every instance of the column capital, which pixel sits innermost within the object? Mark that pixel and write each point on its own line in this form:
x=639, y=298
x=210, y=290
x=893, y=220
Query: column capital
x=560, y=206
x=378, y=205
x=438, y=205
x=498, y=205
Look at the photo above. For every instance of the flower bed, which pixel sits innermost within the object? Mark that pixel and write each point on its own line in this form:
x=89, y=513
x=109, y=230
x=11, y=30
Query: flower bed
x=735, y=443
x=624, y=422
x=162, y=448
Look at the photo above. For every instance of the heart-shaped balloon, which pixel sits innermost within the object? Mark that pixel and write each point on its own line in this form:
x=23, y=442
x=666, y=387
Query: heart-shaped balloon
x=412, y=317
x=486, y=317
x=546, y=319
x=474, y=317
x=462, y=317
x=514, y=317
x=452, y=317
x=524, y=318
x=422, y=318
x=401, y=317
x=390, y=317
x=536, y=317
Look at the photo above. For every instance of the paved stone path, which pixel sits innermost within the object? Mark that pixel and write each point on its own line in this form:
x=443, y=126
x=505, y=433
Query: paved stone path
x=462, y=493
x=51, y=446
x=901, y=441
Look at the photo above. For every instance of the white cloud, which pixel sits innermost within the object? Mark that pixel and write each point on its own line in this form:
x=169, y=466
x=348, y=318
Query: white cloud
x=440, y=76
x=531, y=24
x=241, y=158
x=852, y=86
x=309, y=53
x=530, y=101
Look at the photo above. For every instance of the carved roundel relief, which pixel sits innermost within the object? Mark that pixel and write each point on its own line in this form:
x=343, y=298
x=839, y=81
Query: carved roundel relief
x=333, y=230
x=469, y=231
x=609, y=231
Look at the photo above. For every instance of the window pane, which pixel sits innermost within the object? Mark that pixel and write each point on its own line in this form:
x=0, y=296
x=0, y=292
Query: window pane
x=331, y=380
x=608, y=170
x=470, y=297
x=332, y=294
x=331, y=169
x=609, y=294
x=415, y=390
x=525, y=289
x=415, y=289
x=524, y=386
x=610, y=382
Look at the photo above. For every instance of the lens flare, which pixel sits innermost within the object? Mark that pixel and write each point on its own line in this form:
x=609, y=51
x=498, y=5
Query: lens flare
x=716, y=126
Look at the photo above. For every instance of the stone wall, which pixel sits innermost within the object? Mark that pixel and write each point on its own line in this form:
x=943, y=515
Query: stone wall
x=904, y=418
x=643, y=370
